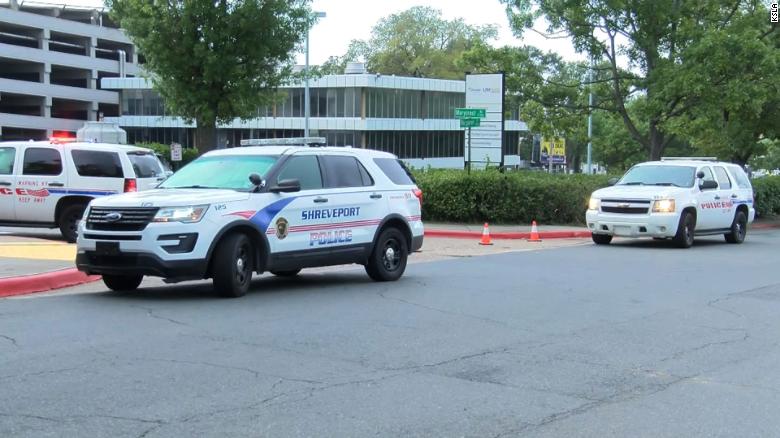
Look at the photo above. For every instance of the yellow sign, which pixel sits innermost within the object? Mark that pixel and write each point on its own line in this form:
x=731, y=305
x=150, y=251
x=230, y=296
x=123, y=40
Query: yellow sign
x=558, y=146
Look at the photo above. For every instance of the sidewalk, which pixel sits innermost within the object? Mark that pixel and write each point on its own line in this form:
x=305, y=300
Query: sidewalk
x=36, y=261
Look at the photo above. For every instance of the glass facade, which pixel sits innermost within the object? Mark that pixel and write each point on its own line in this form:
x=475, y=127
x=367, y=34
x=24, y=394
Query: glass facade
x=417, y=144
x=387, y=103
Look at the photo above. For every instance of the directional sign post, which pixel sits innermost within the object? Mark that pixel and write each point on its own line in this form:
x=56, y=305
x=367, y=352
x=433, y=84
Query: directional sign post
x=469, y=118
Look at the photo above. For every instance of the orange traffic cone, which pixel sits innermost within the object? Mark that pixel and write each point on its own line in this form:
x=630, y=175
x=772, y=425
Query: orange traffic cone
x=534, y=233
x=485, y=236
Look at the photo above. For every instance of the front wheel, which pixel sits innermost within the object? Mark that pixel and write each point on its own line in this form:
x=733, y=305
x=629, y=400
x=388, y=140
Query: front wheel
x=122, y=283
x=601, y=239
x=738, y=229
x=233, y=265
x=388, y=257
x=68, y=222
x=685, y=230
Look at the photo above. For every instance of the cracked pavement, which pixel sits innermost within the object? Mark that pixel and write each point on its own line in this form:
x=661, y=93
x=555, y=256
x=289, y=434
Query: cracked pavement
x=633, y=339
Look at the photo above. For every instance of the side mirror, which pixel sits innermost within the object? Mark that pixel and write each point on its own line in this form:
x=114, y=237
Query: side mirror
x=612, y=181
x=700, y=174
x=708, y=185
x=286, y=186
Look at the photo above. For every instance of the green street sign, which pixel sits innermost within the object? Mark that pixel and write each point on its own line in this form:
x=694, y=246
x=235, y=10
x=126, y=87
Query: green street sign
x=469, y=123
x=470, y=113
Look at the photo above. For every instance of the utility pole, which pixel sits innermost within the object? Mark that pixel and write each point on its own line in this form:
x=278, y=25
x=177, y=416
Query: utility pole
x=307, y=103
x=590, y=119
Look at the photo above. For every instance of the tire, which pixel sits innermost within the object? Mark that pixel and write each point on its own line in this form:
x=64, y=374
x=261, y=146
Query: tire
x=122, y=283
x=387, y=261
x=738, y=229
x=68, y=221
x=232, y=266
x=685, y=230
x=601, y=239
x=290, y=273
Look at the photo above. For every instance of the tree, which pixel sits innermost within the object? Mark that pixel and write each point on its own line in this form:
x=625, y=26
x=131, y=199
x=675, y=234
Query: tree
x=213, y=61
x=418, y=42
x=665, y=44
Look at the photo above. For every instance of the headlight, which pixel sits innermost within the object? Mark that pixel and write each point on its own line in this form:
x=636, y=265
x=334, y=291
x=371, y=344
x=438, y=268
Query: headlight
x=663, y=206
x=594, y=204
x=185, y=215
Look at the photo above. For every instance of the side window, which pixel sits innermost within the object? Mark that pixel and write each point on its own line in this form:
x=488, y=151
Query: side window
x=42, y=161
x=739, y=175
x=708, y=176
x=304, y=168
x=395, y=170
x=7, y=156
x=723, y=178
x=97, y=163
x=344, y=171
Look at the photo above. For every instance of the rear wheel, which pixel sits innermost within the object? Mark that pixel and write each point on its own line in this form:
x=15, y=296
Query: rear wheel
x=290, y=273
x=122, y=283
x=69, y=219
x=685, y=230
x=738, y=229
x=233, y=265
x=601, y=239
x=388, y=258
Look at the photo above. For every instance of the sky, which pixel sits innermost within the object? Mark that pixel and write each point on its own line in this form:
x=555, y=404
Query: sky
x=353, y=19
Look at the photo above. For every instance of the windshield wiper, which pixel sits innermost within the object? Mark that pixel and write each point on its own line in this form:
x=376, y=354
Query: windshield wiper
x=191, y=187
x=633, y=183
x=666, y=184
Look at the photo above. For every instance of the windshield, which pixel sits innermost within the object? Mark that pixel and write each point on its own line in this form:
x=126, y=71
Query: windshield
x=678, y=176
x=220, y=172
x=145, y=165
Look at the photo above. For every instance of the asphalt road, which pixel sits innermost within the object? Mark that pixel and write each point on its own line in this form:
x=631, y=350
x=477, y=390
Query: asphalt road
x=634, y=339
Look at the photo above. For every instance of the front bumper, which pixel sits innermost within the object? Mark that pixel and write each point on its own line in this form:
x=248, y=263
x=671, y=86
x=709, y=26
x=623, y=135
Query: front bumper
x=129, y=263
x=633, y=225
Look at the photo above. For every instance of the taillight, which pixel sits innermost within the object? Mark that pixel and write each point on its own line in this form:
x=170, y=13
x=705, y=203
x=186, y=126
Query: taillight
x=418, y=193
x=130, y=185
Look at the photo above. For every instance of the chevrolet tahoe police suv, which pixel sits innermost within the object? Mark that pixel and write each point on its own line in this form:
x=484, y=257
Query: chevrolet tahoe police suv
x=49, y=183
x=675, y=198
x=278, y=208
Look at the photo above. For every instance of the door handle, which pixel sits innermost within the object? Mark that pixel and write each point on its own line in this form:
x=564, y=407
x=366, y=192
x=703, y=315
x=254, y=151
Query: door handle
x=375, y=196
x=56, y=184
x=734, y=196
x=4, y=183
x=717, y=197
x=320, y=200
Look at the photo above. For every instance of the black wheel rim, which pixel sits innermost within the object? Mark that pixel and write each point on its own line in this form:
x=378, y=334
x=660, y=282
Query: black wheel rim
x=689, y=230
x=740, y=225
x=73, y=224
x=391, y=255
x=242, y=265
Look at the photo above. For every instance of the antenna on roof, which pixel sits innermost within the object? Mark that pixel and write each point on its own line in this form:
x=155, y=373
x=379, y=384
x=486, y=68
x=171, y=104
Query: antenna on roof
x=292, y=141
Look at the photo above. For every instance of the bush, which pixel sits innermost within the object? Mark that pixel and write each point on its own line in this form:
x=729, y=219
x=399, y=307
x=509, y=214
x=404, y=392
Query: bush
x=767, y=195
x=513, y=197
x=187, y=154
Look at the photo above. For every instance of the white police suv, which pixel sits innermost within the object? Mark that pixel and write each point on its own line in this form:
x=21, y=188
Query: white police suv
x=675, y=198
x=50, y=183
x=277, y=208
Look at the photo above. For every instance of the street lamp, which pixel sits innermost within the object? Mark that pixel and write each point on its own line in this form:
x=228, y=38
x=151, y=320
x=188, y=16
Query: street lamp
x=306, y=103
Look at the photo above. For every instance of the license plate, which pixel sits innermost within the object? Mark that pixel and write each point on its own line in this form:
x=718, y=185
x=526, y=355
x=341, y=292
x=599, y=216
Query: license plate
x=107, y=248
x=621, y=230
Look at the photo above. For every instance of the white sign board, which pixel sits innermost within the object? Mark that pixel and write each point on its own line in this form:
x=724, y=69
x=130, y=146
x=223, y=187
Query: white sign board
x=175, y=152
x=486, y=91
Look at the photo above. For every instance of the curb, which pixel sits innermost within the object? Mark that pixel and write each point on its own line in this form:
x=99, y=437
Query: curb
x=477, y=234
x=28, y=284
x=764, y=226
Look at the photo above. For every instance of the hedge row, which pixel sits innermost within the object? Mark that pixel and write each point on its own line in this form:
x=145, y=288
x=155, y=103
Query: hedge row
x=767, y=192
x=520, y=197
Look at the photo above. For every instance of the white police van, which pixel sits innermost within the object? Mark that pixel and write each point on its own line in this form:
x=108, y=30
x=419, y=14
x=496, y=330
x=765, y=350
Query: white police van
x=49, y=183
x=675, y=198
x=275, y=207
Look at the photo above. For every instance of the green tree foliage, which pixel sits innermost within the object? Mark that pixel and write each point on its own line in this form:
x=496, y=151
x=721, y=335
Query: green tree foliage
x=691, y=63
x=417, y=42
x=213, y=61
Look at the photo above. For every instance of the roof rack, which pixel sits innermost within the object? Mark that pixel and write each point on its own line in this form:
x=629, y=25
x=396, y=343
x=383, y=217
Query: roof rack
x=292, y=141
x=689, y=158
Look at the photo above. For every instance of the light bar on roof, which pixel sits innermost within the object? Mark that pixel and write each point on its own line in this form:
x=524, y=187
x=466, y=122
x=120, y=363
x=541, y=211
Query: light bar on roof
x=689, y=158
x=292, y=141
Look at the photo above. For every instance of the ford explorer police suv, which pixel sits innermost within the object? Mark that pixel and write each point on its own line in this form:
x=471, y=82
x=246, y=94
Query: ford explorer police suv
x=277, y=208
x=675, y=198
x=50, y=183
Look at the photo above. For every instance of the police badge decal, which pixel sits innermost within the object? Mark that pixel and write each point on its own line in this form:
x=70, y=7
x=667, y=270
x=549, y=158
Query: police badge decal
x=281, y=228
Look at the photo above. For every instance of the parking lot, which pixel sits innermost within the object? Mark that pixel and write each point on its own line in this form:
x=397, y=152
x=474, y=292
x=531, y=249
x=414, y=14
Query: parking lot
x=632, y=339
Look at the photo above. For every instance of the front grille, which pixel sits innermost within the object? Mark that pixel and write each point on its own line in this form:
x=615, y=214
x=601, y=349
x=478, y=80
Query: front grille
x=132, y=219
x=625, y=206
